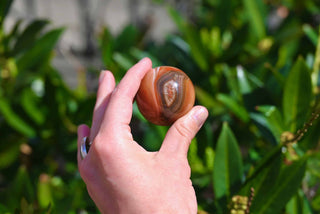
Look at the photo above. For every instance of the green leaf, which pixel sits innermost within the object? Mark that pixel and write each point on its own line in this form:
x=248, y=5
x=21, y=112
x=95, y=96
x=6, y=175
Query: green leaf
x=107, y=47
x=196, y=163
x=21, y=187
x=263, y=125
x=263, y=181
x=4, y=9
x=224, y=13
x=209, y=157
x=251, y=79
x=232, y=82
x=274, y=120
x=207, y=100
x=316, y=202
x=138, y=54
x=228, y=169
x=233, y=106
x=14, y=120
x=255, y=18
x=316, y=66
x=123, y=61
x=4, y=209
x=310, y=33
x=31, y=106
x=11, y=36
x=9, y=154
x=44, y=191
x=193, y=38
x=243, y=81
x=29, y=35
x=40, y=51
x=297, y=95
x=286, y=186
x=298, y=204
x=127, y=38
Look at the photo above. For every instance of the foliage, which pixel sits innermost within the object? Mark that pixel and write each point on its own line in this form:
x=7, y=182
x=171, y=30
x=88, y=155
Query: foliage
x=38, y=118
x=255, y=65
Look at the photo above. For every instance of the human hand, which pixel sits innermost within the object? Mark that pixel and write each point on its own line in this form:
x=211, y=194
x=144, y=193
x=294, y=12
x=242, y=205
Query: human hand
x=121, y=176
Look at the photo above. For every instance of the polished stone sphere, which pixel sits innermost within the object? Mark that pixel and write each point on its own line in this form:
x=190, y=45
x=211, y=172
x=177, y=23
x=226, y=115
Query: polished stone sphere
x=165, y=94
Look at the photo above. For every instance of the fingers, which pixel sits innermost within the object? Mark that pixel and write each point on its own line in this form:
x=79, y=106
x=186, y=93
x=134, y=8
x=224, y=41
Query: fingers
x=119, y=109
x=83, y=131
x=181, y=133
x=106, y=86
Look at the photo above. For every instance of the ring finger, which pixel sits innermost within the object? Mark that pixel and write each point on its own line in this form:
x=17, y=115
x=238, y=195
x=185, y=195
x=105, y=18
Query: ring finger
x=106, y=86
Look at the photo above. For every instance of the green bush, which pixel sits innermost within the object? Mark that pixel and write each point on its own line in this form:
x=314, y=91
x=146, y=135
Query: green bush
x=255, y=65
x=38, y=120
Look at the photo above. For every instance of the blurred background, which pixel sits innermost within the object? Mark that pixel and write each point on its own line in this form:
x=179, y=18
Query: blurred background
x=84, y=20
x=255, y=66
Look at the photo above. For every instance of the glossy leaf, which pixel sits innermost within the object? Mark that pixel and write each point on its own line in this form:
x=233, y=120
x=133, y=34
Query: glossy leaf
x=192, y=37
x=138, y=54
x=286, y=186
x=228, y=169
x=263, y=126
x=31, y=106
x=311, y=34
x=123, y=61
x=247, y=82
x=274, y=120
x=29, y=35
x=234, y=107
x=297, y=95
x=207, y=100
x=127, y=38
x=9, y=38
x=243, y=81
x=263, y=181
x=14, y=120
x=107, y=47
x=232, y=82
x=40, y=51
x=255, y=18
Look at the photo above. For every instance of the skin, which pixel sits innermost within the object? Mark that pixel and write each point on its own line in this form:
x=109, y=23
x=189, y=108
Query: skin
x=121, y=176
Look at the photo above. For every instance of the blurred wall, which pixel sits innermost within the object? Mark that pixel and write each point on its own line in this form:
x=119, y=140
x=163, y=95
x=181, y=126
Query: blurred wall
x=84, y=19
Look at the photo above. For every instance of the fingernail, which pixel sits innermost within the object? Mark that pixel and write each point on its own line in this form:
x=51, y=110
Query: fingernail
x=102, y=73
x=200, y=115
x=143, y=60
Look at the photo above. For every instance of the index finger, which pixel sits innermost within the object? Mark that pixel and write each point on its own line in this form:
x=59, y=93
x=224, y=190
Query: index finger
x=119, y=110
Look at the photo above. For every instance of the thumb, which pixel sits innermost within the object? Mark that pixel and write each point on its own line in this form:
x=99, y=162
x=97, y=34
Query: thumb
x=181, y=133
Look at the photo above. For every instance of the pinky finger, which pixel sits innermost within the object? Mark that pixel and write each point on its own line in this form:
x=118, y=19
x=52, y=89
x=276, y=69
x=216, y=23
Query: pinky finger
x=83, y=131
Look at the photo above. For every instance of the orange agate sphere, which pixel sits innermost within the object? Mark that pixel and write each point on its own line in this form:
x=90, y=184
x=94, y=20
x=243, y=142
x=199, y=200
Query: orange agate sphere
x=165, y=94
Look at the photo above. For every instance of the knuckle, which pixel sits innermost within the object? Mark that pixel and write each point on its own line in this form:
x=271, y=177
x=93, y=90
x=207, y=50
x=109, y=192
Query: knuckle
x=100, y=147
x=184, y=130
x=85, y=172
x=105, y=146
